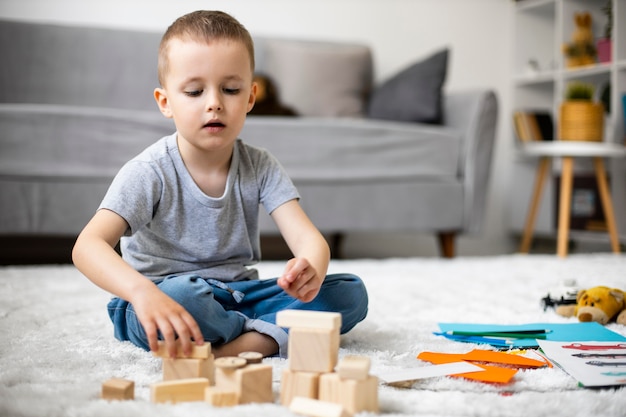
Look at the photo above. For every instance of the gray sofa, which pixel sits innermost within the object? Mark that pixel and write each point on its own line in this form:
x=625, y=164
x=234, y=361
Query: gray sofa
x=76, y=103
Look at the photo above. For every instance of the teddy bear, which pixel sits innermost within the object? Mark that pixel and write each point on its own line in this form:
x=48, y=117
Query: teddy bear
x=267, y=100
x=600, y=304
x=582, y=50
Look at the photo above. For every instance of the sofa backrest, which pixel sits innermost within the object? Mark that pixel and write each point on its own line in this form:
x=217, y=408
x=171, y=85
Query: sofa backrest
x=54, y=64
x=317, y=78
x=116, y=68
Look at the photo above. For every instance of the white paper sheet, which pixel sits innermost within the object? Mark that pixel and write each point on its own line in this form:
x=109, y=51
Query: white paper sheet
x=392, y=377
x=592, y=364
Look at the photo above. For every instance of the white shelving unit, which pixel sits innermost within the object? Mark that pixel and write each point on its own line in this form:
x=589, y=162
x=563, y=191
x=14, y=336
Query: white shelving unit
x=539, y=79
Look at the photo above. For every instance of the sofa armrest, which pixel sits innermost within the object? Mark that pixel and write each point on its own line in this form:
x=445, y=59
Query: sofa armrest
x=475, y=113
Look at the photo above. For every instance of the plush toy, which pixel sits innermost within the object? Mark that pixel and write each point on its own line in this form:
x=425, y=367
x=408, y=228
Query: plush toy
x=582, y=50
x=267, y=101
x=600, y=304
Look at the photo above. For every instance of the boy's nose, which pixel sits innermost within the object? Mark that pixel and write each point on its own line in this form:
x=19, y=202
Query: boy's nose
x=213, y=103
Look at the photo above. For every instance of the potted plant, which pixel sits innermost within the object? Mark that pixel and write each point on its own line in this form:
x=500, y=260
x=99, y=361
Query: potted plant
x=604, y=44
x=581, y=118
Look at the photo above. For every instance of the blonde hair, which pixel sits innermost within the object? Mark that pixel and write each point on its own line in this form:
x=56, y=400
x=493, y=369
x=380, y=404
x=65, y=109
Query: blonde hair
x=203, y=26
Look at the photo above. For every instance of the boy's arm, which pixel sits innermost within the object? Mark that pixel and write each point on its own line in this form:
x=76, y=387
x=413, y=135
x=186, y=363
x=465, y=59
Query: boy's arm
x=95, y=257
x=305, y=273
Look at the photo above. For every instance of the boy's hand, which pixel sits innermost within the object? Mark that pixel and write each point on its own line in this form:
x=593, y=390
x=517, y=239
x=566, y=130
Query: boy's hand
x=300, y=280
x=157, y=312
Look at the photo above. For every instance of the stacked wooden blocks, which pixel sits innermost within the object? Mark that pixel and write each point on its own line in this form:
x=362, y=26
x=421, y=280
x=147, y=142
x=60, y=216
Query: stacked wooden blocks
x=315, y=383
x=310, y=384
x=221, y=382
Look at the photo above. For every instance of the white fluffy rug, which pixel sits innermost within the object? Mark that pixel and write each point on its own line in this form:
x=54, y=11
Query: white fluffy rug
x=57, y=347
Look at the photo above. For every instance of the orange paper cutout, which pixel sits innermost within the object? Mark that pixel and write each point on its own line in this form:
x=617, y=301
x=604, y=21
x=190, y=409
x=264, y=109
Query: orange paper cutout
x=493, y=374
x=497, y=374
x=489, y=356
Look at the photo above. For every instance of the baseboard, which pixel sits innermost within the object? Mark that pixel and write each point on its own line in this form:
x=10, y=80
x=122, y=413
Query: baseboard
x=36, y=250
x=41, y=250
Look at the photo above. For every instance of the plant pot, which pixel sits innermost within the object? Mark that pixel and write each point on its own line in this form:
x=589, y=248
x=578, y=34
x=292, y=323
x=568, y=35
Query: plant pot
x=604, y=50
x=581, y=120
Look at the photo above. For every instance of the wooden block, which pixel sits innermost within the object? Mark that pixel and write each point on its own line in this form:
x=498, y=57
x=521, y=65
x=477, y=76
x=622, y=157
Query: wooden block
x=230, y=363
x=225, y=376
x=357, y=396
x=255, y=384
x=251, y=357
x=179, y=390
x=313, y=350
x=308, y=319
x=197, y=352
x=354, y=367
x=219, y=397
x=354, y=395
x=298, y=384
x=316, y=408
x=118, y=389
x=188, y=368
x=330, y=388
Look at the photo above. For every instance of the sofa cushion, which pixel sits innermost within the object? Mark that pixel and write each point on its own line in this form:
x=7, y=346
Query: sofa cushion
x=414, y=94
x=55, y=141
x=318, y=78
x=331, y=150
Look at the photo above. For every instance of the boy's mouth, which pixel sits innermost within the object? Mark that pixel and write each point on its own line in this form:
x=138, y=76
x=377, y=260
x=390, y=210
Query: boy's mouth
x=214, y=124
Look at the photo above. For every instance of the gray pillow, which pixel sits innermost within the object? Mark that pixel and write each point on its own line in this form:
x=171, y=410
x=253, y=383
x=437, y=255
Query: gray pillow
x=414, y=94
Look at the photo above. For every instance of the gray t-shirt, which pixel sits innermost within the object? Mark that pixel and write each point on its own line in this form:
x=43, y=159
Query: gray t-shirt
x=175, y=228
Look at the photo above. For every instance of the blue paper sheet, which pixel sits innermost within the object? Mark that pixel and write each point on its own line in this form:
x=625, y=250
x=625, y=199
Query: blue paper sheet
x=558, y=332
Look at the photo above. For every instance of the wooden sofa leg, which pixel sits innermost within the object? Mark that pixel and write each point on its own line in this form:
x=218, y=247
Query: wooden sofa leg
x=335, y=242
x=446, y=244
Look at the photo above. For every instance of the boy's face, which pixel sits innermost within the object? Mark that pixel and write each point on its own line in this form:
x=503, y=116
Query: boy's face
x=208, y=91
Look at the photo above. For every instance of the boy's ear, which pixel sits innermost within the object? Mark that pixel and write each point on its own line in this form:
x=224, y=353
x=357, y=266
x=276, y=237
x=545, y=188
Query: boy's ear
x=161, y=98
x=252, y=98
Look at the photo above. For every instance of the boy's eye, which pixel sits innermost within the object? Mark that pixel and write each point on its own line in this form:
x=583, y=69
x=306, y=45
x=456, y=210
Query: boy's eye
x=231, y=91
x=193, y=93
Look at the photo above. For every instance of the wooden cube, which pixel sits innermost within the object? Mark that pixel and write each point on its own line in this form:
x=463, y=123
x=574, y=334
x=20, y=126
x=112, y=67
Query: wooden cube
x=316, y=408
x=179, y=390
x=313, y=350
x=354, y=395
x=197, y=352
x=188, y=368
x=219, y=397
x=360, y=395
x=118, y=389
x=254, y=384
x=308, y=319
x=298, y=384
x=330, y=387
x=354, y=367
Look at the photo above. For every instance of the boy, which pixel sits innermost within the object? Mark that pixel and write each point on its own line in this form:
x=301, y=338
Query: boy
x=186, y=212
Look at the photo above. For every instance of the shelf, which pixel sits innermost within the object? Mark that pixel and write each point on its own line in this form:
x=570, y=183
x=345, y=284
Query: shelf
x=539, y=80
x=545, y=77
x=534, y=5
x=587, y=71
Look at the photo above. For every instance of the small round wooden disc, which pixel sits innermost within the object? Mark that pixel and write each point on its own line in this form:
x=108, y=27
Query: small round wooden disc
x=252, y=357
x=230, y=362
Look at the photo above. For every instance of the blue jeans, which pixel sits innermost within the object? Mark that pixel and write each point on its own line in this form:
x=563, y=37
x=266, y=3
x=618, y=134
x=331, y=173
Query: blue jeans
x=222, y=317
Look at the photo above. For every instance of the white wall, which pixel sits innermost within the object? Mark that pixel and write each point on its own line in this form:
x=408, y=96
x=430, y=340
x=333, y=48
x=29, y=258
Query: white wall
x=399, y=31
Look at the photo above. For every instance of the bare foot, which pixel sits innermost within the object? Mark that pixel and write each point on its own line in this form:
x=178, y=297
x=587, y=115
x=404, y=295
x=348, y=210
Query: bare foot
x=246, y=342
